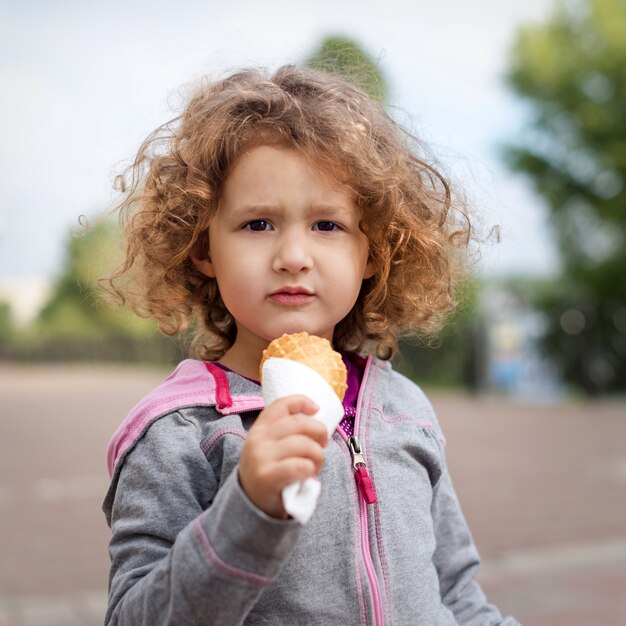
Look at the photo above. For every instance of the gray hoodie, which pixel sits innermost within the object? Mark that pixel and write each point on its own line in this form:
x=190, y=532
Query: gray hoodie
x=188, y=547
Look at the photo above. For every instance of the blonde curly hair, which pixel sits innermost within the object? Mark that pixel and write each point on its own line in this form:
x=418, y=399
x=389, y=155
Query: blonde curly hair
x=416, y=233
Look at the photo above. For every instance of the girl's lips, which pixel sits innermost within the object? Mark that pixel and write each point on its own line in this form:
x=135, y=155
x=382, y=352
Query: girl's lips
x=291, y=299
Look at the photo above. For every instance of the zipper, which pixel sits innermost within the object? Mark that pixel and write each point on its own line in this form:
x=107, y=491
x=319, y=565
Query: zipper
x=361, y=475
x=367, y=495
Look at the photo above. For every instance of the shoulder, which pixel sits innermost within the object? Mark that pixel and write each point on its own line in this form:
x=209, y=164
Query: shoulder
x=190, y=384
x=165, y=458
x=395, y=387
x=399, y=396
x=197, y=392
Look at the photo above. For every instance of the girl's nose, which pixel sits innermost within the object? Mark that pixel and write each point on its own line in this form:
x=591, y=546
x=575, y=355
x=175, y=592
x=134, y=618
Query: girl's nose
x=292, y=254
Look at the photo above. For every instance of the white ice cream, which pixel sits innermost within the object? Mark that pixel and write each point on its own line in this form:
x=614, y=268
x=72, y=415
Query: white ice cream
x=284, y=377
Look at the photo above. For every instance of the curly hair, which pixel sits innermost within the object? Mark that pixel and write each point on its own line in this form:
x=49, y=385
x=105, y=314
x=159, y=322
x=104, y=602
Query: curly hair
x=417, y=234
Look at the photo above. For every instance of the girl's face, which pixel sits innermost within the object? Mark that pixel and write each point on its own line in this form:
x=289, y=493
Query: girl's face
x=285, y=248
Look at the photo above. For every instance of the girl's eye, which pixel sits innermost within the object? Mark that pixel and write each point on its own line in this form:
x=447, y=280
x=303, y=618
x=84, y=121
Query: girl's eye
x=258, y=226
x=326, y=226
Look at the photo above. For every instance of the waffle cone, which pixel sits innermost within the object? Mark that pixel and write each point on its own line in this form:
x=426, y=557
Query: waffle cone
x=314, y=352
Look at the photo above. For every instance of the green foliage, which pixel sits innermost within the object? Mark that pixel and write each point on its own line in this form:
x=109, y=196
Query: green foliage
x=78, y=324
x=571, y=70
x=6, y=322
x=342, y=56
x=586, y=337
x=76, y=307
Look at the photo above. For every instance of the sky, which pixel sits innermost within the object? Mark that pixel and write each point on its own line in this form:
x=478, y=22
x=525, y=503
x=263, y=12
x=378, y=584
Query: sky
x=84, y=83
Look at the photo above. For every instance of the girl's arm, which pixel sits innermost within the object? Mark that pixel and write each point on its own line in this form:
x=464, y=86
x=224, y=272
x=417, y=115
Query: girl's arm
x=457, y=562
x=172, y=561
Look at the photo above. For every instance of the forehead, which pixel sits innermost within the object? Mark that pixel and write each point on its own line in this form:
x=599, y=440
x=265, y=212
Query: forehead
x=274, y=173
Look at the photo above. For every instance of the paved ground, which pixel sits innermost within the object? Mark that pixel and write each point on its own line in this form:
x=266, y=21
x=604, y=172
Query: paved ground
x=543, y=488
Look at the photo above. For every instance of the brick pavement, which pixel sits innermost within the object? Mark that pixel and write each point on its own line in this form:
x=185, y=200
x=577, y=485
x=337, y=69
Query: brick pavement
x=542, y=487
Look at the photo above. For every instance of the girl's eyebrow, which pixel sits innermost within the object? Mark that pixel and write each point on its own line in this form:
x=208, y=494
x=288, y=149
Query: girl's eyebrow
x=331, y=209
x=268, y=210
x=254, y=210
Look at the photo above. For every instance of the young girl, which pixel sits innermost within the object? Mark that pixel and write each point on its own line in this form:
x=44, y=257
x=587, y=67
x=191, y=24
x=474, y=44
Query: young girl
x=275, y=205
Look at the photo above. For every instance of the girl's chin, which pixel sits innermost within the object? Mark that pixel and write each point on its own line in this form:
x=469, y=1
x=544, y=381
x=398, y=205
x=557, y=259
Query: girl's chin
x=266, y=334
x=299, y=329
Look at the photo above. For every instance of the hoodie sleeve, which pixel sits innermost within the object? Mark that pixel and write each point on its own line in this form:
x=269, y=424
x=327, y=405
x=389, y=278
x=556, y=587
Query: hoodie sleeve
x=456, y=560
x=181, y=549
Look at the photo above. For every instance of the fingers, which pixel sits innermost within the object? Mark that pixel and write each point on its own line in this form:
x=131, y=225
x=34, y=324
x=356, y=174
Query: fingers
x=262, y=452
x=288, y=416
x=290, y=405
x=297, y=446
x=289, y=471
x=302, y=425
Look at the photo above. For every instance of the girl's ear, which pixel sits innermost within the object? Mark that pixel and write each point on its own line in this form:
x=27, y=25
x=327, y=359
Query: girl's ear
x=204, y=266
x=201, y=258
x=369, y=270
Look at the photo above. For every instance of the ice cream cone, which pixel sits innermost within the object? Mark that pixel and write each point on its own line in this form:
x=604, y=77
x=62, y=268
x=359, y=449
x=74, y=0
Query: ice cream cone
x=305, y=364
x=314, y=352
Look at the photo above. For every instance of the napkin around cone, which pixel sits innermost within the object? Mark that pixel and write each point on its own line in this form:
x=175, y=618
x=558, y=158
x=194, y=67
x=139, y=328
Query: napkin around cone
x=284, y=377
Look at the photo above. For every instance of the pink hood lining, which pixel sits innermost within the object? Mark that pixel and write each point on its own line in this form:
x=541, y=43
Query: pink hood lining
x=192, y=383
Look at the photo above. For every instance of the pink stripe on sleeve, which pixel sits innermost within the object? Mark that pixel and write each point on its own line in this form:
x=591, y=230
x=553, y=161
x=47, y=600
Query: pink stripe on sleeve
x=214, y=559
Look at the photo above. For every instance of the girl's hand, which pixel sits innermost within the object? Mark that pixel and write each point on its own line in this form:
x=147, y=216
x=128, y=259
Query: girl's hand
x=283, y=446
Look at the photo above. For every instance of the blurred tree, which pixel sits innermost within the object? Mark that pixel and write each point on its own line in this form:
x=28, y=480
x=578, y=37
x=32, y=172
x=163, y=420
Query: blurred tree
x=78, y=324
x=571, y=71
x=76, y=307
x=340, y=55
x=6, y=322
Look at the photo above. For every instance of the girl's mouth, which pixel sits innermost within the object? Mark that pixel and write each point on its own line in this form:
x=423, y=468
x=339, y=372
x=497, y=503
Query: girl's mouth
x=289, y=296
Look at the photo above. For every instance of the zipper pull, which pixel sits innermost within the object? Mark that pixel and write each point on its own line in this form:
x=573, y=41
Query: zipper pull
x=361, y=475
